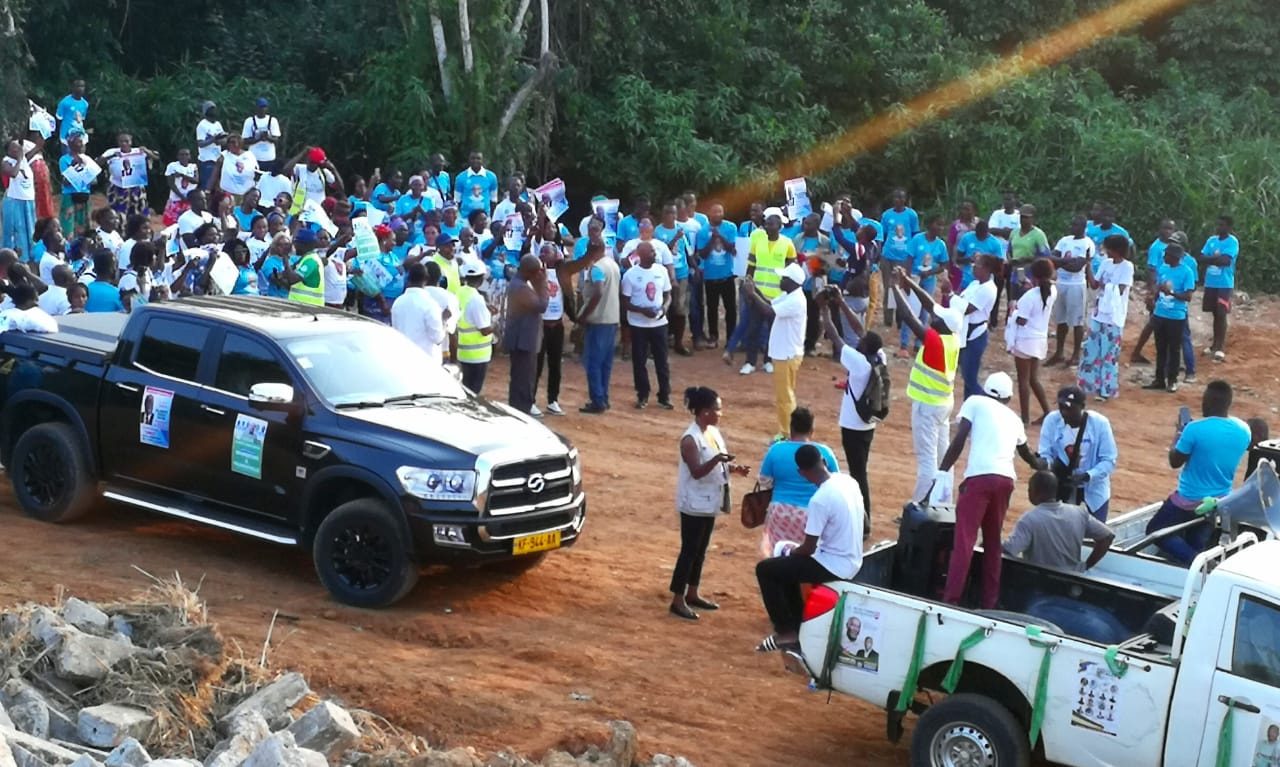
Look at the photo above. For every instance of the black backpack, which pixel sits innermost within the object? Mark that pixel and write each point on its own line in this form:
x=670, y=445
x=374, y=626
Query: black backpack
x=873, y=404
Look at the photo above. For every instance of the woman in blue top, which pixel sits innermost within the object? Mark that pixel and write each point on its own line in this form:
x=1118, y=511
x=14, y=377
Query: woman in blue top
x=788, y=510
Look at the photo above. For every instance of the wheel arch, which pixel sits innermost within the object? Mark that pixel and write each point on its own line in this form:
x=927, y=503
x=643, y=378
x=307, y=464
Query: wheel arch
x=331, y=487
x=33, y=407
x=981, y=680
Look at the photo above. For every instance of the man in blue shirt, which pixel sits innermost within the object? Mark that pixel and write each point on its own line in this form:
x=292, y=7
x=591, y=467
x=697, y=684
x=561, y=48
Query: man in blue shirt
x=1208, y=451
x=755, y=220
x=1155, y=260
x=72, y=111
x=1101, y=229
x=476, y=187
x=437, y=177
x=716, y=250
x=1175, y=282
x=678, y=242
x=928, y=259
x=629, y=225
x=1219, y=256
x=1083, y=464
x=972, y=244
x=897, y=226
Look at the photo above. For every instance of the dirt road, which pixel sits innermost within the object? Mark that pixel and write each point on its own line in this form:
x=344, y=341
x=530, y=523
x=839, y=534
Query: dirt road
x=493, y=660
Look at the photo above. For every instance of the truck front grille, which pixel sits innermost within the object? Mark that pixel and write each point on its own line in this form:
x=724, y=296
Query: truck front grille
x=541, y=483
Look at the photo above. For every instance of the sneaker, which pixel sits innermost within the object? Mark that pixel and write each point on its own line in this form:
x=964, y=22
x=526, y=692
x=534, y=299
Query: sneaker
x=641, y=404
x=665, y=404
x=1189, y=378
x=535, y=412
x=1172, y=388
x=1156, y=385
x=1208, y=351
x=553, y=408
x=768, y=367
x=747, y=369
x=1219, y=357
x=592, y=408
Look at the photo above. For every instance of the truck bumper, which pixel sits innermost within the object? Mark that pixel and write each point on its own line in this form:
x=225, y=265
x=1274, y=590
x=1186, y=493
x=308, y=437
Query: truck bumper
x=445, y=538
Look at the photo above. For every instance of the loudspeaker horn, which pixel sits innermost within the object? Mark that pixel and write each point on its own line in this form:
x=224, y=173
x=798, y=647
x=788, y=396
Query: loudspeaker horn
x=1254, y=503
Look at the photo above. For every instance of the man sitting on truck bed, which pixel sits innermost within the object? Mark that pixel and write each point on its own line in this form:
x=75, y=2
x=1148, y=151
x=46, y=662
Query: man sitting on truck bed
x=1208, y=452
x=1050, y=534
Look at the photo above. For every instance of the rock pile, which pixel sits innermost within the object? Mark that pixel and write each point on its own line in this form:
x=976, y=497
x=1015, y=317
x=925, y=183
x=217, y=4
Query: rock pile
x=88, y=685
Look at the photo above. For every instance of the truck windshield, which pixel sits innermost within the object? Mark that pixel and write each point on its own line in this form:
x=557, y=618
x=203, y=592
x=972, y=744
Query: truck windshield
x=371, y=364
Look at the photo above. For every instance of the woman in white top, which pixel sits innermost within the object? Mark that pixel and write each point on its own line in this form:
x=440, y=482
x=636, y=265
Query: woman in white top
x=237, y=169
x=1027, y=335
x=1099, y=372
x=702, y=493
x=19, y=210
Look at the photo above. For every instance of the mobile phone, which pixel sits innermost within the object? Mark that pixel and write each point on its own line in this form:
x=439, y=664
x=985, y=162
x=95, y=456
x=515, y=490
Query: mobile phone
x=1184, y=417
x=729, y=456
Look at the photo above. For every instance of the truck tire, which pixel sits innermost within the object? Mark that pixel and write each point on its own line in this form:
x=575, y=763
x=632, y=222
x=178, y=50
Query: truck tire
x=52, y=480
x=972, y=730
x=362, y=555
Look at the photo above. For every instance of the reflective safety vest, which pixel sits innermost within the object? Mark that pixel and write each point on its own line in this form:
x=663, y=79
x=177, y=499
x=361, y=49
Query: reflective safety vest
x=449, y=268
x=473, y=346
x=769, y=265
x=299, y=291
x=933, y=387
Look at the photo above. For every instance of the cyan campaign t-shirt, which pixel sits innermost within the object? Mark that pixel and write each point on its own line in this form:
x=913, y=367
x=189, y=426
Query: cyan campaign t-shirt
x=788, y=486
x=1098, y=234
x=718, y=265
x=970, y=246
x=679, y=249
x=898, y=229
x=1221, y=276
x=1183, y=278
x=926, y=255
x=1216, y=447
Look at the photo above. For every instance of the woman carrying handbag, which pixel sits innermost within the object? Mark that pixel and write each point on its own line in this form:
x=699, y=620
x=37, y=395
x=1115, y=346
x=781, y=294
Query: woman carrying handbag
x=702, y=494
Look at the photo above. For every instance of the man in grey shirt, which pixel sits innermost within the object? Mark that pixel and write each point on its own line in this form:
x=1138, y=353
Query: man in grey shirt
x=1050, y=534
x=527, y=299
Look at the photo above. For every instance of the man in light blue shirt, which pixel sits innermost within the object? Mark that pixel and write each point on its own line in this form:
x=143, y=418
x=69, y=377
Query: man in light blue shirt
x=1219, y=256
x=928, y=259
x=72, y=111
x=1084, y=473
x=897, y=226
x=476, y=187
x=678, y=241
x=629, y=225
x=1208, y=452
x=715, y=246
x=1101, y=229
x=1175, y=282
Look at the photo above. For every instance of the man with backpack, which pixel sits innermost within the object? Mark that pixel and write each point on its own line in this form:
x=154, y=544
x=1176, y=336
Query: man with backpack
x=866, y=397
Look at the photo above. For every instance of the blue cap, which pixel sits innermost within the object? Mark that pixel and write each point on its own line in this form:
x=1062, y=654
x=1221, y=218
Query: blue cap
x=443, y=239
x=262, y=102
x=304, y=236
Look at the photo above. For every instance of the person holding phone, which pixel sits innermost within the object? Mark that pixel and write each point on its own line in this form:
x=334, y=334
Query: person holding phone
x=702, y=494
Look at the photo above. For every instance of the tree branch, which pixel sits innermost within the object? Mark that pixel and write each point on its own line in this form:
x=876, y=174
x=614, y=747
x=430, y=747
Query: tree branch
x=517, y=24
x=464, y=28
x=442, y=50
x=546, y=31
x=546, y=66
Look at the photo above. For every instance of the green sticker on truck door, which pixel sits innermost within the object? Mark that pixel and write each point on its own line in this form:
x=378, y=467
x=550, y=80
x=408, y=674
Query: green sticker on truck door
x=246, y=446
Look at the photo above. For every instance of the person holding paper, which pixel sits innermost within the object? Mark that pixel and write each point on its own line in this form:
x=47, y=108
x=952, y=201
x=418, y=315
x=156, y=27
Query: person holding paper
x=18, y=215
x=181, y=177
x=236, y=169
x=476, y=187
x=261, y=133
x=76, y=185
x=40, y=174
x=127, y=193
x=715, y=249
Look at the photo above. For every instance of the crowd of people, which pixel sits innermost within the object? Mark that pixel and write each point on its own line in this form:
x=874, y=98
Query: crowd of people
x=463, y=265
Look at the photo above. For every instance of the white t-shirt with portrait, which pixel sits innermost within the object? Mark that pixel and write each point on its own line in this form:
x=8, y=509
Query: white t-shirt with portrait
x=858, y=368
x=661, y=253
x=1074, y=247
x=994, y=435
x=645, y=288
x=264, y=151
x=1113, y=306
x=190, y=221
x=204, y=130
x=835, y=515
x=239, y=172
x=186, y=175
x=23, y=185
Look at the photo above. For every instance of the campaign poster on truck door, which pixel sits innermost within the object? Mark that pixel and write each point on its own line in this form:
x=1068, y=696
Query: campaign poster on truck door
x=153, y=417
x=1098, y=698
x=860, y=640
x=1267, y=751
x=246, y=446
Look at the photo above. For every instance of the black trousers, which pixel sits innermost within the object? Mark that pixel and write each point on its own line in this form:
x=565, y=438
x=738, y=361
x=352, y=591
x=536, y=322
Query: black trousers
x=695, y=537
x=719, y=291
x=857, y=449
x=524, y=385
x=552, y=352
x=1168, y=335
x=646, y=341
x=813, y=324
x=473, y=374
x=780, y=579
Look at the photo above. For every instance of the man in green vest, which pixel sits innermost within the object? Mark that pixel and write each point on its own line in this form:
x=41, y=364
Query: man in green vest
x=933, y=375
x=448, y=261
x=306, y=278
x=475, y=327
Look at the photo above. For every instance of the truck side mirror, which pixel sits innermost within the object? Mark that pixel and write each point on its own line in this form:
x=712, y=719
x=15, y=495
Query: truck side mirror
x=271, y=396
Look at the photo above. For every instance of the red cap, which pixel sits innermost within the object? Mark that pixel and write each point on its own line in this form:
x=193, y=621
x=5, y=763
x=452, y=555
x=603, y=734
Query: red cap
x=382, y=230
x=316, y=155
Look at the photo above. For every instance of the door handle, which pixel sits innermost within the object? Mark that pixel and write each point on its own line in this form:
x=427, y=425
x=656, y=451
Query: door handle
x=213, y=410
x=1243, y=705
x=126, y=387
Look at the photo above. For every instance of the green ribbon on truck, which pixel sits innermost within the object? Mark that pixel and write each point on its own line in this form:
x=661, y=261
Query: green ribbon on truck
x=952, y=678
x=1118, y=668
x=912, y=681
x=1224, y=738
x=1042, y=685
x=833, y=645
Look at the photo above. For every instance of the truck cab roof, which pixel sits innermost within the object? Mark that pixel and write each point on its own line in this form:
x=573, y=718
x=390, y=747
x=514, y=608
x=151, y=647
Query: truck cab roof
x=1255, y=563
x=274, y=316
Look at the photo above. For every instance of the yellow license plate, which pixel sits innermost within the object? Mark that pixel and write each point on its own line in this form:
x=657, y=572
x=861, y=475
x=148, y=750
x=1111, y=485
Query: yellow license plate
x=533, y=543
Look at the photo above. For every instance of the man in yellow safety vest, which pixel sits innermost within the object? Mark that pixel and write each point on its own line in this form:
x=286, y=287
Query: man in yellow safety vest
x=306, y=278
x=475, y=327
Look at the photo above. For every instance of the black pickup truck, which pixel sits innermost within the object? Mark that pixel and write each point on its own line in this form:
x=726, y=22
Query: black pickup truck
x=297, y=425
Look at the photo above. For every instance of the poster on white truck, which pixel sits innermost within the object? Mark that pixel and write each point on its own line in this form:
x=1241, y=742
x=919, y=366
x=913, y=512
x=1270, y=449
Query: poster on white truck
x=860, y=642
x=1098, y=700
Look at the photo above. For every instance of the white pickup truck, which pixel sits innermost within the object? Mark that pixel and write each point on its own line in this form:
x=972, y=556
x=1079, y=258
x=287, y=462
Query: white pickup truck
x=1080, y=669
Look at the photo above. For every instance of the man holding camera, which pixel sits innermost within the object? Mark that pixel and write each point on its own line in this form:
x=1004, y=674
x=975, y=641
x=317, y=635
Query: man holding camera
x=1080, y=449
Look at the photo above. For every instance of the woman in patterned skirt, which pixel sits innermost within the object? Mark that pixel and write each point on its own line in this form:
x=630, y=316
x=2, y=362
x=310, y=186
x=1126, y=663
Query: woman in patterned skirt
x=788, y=510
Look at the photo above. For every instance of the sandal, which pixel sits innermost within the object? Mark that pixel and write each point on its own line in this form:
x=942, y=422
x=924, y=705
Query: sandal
x=771, y=644
x=701, y=603
x=683, y=613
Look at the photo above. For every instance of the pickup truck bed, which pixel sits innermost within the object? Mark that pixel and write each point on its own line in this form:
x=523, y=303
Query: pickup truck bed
x=91, y=338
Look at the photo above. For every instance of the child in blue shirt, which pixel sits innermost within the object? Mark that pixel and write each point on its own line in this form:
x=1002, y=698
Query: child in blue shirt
x=1175, y=282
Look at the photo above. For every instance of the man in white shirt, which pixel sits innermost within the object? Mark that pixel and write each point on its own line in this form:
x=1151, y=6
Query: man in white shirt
x=789, y=313
x=980, y=297
x=1071, y=256
x=646, y=295
x=209, y=138
x=54, y=300
x=998, y=434
x=831, y=550
x=194, y=218
x=418, y=316
x=661, y=253
x=261, y=133
x=449, y=305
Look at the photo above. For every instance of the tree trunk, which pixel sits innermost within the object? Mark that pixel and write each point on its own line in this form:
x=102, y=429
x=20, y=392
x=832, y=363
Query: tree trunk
x=517, y=25
x=546, y=65
x=442, y=50
x=464, y=30
x=546, y=32
x=15, y=109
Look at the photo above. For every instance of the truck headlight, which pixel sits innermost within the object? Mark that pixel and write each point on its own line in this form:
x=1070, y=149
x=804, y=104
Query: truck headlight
x=575, y=464
x=437, y=484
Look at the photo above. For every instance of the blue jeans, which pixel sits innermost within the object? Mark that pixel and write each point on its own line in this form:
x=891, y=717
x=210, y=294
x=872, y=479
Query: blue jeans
x=597, y=358
x=1188, y=350
x=748, y=334
x=971, y=363
x=1102, y=511
x=1184, y=546
x=206, y=174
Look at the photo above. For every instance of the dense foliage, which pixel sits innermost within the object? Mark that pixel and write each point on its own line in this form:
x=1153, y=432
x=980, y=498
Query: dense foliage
x=1170, y=118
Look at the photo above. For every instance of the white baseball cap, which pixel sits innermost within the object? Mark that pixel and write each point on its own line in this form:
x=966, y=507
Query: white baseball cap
x=774, y=211
x=999, y=385
x=794, y=272
x=952, y=316
x=471, y=268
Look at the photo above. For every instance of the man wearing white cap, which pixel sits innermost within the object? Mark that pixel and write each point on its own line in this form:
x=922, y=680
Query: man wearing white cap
x=789, y=312
x=769, y=253
x=997, y=434
x=933, y=375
